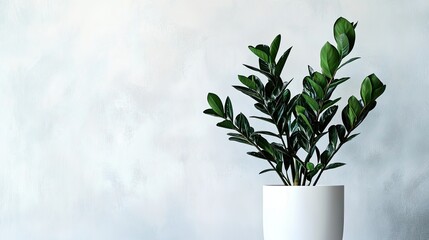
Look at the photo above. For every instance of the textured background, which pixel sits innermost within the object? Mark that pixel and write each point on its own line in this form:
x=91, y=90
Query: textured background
x=102, y=134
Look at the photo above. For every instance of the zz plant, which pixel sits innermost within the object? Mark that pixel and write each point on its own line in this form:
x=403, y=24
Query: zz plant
x=300, y=121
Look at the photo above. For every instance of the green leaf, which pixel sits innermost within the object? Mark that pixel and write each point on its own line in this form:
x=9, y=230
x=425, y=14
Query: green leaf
x=343, y=27
x=262, y=155
x=377, y=87
x=334, y=165
x=317, y=88
x=333, y=136
x=337, y=82
x=320, y=79
x=264, y=144
x=261, y=54
x=310, y=70
x=267, y=133
x=355, y=105
x=249, y=92
x=343, y=44
x=351, y=137
x=281, y=62
x=329, y=103
x=341, y=131
x=274, y=47
x=264, y=119
x=261, y=108
x=309, y=128
x=248, y=82
x=240, y=140
x=345, y=118
x=211, y=112
x=242, y=124
x=267, y=74
x=228, y=109
x=329, y=60
x=226, y=124
x=311, y=102
x=348, y=61
x=310, y=166
x=327, y=116
x=268, y=170
x=216, y=104
x=366, y=91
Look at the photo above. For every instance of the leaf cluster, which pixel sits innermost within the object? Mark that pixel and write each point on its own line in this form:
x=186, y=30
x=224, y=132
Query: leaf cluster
x=300, y=120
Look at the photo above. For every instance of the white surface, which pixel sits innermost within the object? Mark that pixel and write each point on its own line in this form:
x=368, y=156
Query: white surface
x=304, y=213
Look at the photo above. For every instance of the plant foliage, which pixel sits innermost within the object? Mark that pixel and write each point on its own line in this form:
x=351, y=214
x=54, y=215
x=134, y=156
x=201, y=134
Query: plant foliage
x=302, y=120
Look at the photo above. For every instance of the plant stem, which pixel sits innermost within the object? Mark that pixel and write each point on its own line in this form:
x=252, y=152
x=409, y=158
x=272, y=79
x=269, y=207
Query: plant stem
x=336, y=150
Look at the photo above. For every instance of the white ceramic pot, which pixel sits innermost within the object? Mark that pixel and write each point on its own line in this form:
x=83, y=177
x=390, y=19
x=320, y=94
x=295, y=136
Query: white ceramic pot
x=303, y=212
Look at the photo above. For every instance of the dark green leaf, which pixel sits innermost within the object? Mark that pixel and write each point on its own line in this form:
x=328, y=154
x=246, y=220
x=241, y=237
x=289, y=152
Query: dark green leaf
x=228, y=109
x=329, y=103
x=348, y=61
x=327, y=116
x=343, y=44
x=240, y=140
x=281, y=62
x=263, y=119
x=334, y=165
x=337, y=82
x=333, y=136
x=262, y=155
x=377, y=87
x=261, y=54
x=268, y=170
x=345, y=118
x=310, y=70
x=274, y=47
x=226, y=124
x=261, y=108
x=351, y=137
x=267, y=133
x=311, y=102
x=248, y=82
x=249, y=92
x=329, y=60
x=264, y=144
x=242, y=124
x=355, y=106
x=267, y=74
x=216, y=104
x=211, y=112
x=317, y=88
x=341, y=131
x=320, y=79
x=343, y=26
x=366, y=91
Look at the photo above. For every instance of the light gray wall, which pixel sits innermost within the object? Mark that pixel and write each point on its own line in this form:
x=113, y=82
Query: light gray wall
x=102, y=134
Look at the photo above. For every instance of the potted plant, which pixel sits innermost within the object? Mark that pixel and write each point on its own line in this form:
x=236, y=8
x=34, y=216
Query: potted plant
x=299, y=123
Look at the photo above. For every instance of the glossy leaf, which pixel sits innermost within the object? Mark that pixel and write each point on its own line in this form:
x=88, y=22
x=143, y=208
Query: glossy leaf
x=327, y=116
x=311, y=102
x=240, y=140
x=348, y=61
x=329, y=60
x=216, y=104
x=228, y=109
x=248, y=82
x=281, y=62
x=261, y=54
x=249, y=92
x=274, y=47
x=267, y=170
x=226, y=124
x=343, y=27
x=334, y=165
x=212, y=113
x=366, y=91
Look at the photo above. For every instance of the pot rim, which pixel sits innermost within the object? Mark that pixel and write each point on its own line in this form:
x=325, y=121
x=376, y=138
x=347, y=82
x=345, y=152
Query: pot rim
x=321, y=186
